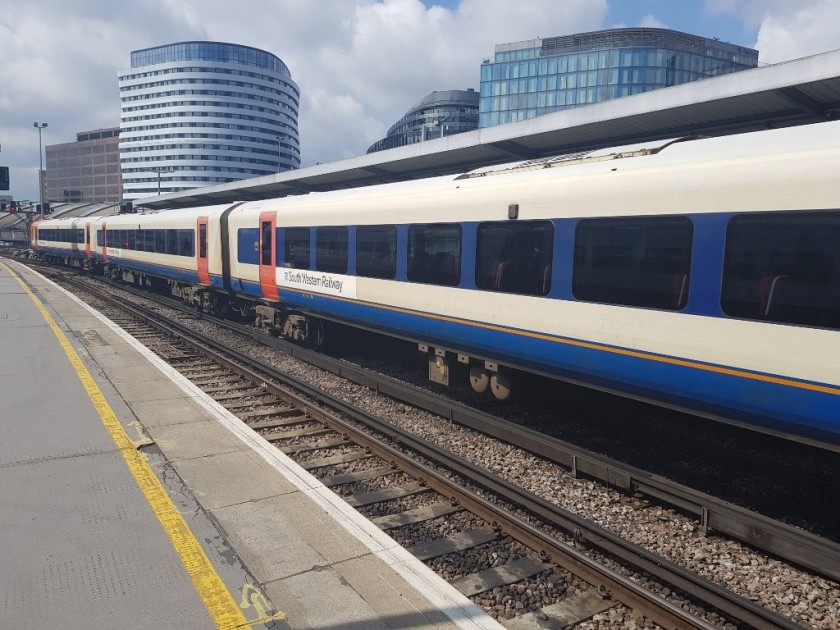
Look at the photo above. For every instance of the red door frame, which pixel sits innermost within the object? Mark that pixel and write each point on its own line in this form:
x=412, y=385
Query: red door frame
x=34, y=234
x=203, y=261
x=268, y=273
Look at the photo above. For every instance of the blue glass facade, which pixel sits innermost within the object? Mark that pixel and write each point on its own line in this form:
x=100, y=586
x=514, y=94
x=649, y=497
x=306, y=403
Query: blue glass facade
x=536, y=77
x=209, y=51
x=439, y=114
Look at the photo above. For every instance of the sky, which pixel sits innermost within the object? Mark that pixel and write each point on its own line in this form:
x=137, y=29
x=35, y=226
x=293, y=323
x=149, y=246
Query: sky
x=360, y=64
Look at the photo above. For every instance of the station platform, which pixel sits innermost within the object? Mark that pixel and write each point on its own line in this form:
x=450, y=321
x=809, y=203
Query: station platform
x=129, y=498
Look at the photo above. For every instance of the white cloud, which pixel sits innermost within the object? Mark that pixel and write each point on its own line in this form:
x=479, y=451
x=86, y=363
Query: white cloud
x=360, y=64
x=792, y=30
x=651, y=21
x=785, y=30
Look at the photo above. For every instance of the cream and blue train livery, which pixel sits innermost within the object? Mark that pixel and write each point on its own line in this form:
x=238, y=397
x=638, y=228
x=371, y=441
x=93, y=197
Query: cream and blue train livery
x=702, y=274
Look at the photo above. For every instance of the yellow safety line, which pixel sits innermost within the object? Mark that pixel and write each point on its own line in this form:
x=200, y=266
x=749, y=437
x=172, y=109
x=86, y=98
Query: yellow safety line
x=221, y=606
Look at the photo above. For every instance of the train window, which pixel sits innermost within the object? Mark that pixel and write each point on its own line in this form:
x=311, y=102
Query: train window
x=515, y=257
x=172, y=242
x=202, y=240
x=186, y=242
x=99, y=238
x=376, y=251
x=783, y=267
x=160, y=241
x=639, y=261
x=296, y=248
x=331, y=249
x=247, y=244
x=266, y=243
x=434, y=254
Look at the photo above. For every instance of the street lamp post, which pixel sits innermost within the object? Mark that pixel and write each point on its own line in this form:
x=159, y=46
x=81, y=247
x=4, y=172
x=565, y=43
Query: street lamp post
x=40, y=126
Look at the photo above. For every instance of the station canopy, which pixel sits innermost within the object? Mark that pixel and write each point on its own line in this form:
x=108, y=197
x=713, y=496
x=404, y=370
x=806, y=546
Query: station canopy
x=802, y=91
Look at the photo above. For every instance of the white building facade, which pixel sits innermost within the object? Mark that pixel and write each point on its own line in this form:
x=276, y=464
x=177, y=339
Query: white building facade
x=197, y=114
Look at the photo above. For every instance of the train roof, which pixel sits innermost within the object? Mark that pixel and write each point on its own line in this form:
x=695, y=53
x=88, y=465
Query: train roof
x=680, y=158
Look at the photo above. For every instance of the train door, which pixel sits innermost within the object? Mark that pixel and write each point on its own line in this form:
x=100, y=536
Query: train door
x=203, y=264
x=105, y=242
x=33, y=235
x=87, y=241
x=75, y=243
x=268, y=255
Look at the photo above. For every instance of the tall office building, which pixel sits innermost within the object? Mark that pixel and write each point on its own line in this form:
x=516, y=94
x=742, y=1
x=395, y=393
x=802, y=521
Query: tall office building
x=87, y=170
x=201, y=113
x=439, y=114
x=540, y=76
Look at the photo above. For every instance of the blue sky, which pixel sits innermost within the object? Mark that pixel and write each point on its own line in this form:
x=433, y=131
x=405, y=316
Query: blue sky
x=360, y=64
x=691, y=16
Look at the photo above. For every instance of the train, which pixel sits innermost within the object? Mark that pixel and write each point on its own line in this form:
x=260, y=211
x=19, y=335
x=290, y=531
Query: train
x=701, y=274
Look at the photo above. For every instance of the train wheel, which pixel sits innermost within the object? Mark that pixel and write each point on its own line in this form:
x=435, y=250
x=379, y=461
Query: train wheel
x=218, y=306
x=316, y=337
x=479, y=379
x=501, y=385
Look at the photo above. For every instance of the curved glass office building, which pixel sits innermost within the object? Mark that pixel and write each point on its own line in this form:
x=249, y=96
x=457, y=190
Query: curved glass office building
x=540, y=76
x=441, y=113
x=201, y=113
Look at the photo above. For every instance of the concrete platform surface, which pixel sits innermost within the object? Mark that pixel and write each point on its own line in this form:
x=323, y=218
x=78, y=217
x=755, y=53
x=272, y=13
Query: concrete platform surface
x=87, y=542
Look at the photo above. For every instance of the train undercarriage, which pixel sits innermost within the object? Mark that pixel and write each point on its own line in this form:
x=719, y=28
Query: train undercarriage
x=483, y=376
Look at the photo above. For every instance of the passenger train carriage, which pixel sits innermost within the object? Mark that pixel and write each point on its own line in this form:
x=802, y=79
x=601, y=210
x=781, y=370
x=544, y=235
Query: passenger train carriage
x=702, y=274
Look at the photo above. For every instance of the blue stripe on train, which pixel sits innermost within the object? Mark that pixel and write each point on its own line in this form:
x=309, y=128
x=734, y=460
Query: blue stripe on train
x=757, y=401
x=72, y=253
x=773, y=405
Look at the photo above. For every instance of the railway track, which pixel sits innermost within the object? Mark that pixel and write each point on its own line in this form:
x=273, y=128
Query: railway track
x=515, y=539
x=713, y=515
